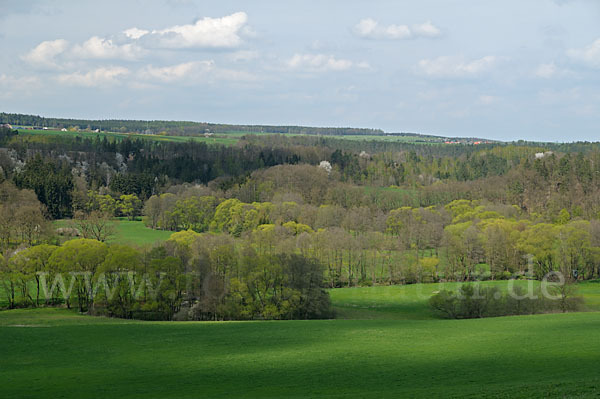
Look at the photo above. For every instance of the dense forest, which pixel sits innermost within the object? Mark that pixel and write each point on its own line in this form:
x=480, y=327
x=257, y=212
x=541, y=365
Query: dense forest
x=262, y=227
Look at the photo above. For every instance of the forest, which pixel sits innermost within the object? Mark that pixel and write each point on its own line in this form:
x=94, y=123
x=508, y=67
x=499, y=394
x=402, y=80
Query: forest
x=262, y=228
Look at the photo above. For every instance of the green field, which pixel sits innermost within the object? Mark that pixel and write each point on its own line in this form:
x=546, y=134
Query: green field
x=409, y=302
x=52, y=353
x=132, y=232
x=217, y=139
x=396, y=353
x=226, y=138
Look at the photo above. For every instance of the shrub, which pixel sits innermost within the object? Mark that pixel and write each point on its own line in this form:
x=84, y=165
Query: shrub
x=476, y=301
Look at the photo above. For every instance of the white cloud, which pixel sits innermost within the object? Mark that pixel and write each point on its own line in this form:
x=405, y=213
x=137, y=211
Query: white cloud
x=135, y=33
x=130, y=44
x=44, y=54
x=370, y=29
x=455, y=67
x=193, y=72
x=105, y=76
x=321, y=63
x=589, y=55
x=426, y=29
x=206, y=32
x=97, y=47
x=172, y=73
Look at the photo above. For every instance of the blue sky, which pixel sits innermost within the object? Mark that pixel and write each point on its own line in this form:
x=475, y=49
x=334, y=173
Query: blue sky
x=526, y=69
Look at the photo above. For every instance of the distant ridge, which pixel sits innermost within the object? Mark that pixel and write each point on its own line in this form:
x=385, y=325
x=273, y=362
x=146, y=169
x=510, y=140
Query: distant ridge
x=179, y=128
x=189, y=128
x=431, y=137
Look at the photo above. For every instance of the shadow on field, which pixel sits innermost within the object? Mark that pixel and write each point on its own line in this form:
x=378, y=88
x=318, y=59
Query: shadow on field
x=525, y=356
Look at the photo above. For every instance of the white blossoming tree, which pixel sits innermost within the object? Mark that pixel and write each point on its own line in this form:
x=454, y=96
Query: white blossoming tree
x=325, y=165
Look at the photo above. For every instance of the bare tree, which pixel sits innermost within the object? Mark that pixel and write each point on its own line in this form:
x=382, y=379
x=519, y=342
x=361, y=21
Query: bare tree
x=95, y=225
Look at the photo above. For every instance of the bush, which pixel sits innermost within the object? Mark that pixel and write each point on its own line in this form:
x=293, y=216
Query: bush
x=476, y=301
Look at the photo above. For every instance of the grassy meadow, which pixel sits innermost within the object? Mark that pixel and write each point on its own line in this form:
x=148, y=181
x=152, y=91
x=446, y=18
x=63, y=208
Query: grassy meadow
x=55, y=353
x=409, y=302
x=217, y=139
x=389, y=345
x=135, y=232
x=132, y=232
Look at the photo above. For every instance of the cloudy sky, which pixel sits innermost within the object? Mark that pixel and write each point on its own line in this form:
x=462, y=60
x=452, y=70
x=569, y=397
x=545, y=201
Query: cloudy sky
x=501, y=69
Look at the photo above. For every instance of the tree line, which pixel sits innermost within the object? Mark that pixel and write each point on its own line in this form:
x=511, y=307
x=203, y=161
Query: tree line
x=463, y=240
x=421, y=213
x=537, y=180
x=190, y=277
x=179, y=128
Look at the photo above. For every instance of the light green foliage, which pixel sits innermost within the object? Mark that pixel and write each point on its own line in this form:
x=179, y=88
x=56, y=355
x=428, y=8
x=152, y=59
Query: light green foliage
x=462, y=241
x=563, y=217
x=130, y=205
x=13, y=280
x=186, y=238
x=265, y=293
x=461, y=235
x=121, y=267
x=195, y=213
x=265, y=237
x=297, y=228
x=428, y=269
x=31, y=262
x=235, y=217
x=120, y=258
x=500, y=239
x=223, y=214
x=81, y=257
x=460, y=208
x=540, y=241
x=398, y=219
x=105, y=204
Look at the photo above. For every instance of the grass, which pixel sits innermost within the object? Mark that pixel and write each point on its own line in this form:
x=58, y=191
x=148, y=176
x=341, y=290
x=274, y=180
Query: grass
x=217, y=139
x=132, y=232
x=384, y=344
x=135, y=232
x=409, y=302
x=56, y=353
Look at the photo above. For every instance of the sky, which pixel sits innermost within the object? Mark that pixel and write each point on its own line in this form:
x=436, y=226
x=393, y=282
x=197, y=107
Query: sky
x=506, y=70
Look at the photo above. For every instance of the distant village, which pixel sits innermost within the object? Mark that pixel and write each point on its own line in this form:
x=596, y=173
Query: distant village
x=468, y=141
